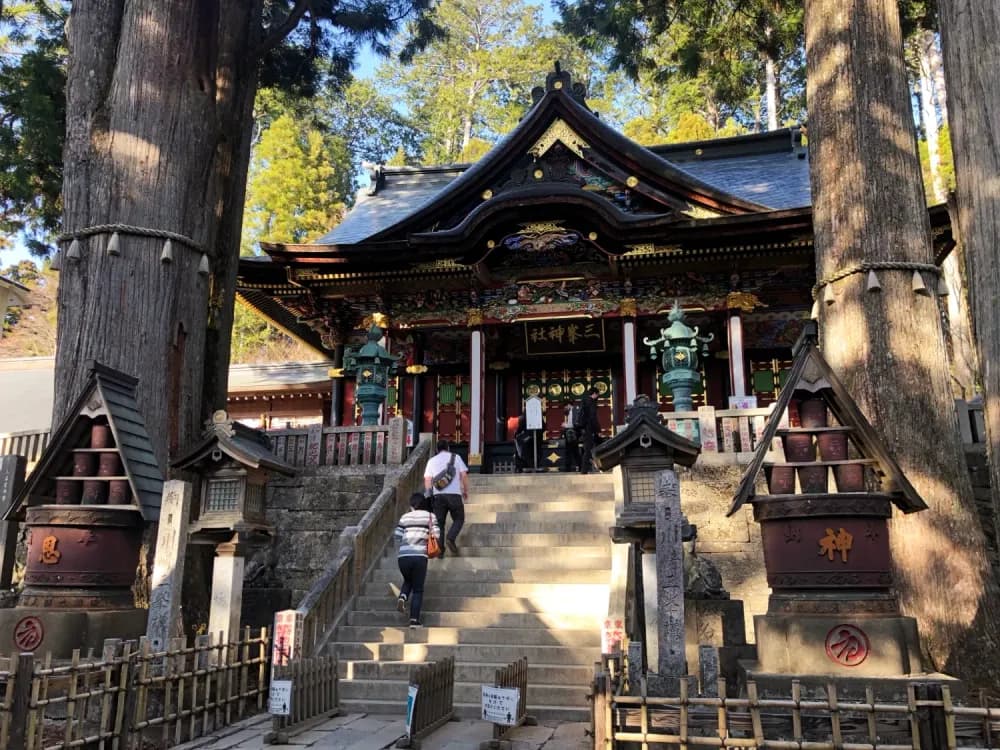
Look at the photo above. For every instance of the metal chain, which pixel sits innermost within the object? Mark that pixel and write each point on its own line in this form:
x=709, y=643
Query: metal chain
x=864, y=266
x=137, y=231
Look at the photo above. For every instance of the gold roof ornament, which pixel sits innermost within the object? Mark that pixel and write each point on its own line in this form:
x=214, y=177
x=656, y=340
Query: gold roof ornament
x=560, y=132
x=744, y=301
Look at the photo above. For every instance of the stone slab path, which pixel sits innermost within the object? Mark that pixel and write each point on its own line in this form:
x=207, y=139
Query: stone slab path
x=360, y=731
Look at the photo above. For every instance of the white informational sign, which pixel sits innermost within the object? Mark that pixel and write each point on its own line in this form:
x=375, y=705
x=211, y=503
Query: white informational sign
x=411, y=701
x=279, y=698
x=533, y=413
x=500, y=705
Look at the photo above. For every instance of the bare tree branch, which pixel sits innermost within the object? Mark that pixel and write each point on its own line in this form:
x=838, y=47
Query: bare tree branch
x=276, y=34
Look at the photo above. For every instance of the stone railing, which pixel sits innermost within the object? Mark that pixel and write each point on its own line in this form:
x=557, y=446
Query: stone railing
x=341, y=446
x=721, y=431
x=359, y=549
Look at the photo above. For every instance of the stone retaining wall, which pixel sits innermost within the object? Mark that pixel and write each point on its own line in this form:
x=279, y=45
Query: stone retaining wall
x=308, y=513
x=732, y=543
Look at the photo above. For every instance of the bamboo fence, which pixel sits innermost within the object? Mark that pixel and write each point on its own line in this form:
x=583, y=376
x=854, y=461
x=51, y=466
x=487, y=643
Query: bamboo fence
x=514, y=675
x=132, y=697
x=928, y=719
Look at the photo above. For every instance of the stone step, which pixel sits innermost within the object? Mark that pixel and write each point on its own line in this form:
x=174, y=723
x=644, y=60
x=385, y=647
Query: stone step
x=467, y=710
x=539, y=497
x=455, y=573
x=501, y=555
x=558, y=620
x=483, y=538
x=541, y=592
x=465, y=692
x=501, y=654
x=595, y=606
x=476, y=672
x=541, y=519
x=542, y=479
x=401, y=633
x=500, y=558
x=542, y=525
x=520, y=505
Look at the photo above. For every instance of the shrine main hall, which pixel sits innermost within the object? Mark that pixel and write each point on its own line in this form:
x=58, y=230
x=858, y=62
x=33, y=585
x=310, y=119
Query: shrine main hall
x=540, y=270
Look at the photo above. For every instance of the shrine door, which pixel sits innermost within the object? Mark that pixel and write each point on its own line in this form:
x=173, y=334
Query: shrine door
x=556, y=388
x=454, y=416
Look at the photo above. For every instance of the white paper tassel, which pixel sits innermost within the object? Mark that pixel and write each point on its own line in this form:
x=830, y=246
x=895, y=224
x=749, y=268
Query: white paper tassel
x=873, y=283
x=167, y=256
x=114, y=245
x=942, y=287
x=828, y=296
x=203, y=268
x=74, y=250
x=918, y=284
x=814, y=315
x=56, y=263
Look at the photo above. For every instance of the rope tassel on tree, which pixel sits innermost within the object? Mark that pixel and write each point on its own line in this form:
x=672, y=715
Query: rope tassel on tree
x=75, y=251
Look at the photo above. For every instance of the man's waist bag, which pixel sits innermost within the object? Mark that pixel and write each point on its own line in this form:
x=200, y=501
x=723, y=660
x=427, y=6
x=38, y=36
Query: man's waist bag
x=444, y=478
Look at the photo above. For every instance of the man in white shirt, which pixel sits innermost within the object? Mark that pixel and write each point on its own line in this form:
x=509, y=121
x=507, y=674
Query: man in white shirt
x=447, y=497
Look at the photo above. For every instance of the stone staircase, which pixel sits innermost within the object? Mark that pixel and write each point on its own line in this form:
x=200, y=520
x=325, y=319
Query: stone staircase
x=531, y=580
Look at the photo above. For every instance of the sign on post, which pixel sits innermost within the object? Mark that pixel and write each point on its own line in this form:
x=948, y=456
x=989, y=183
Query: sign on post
x=500, y=705
x=287, y=644
x=411, y=701
x=279, y=699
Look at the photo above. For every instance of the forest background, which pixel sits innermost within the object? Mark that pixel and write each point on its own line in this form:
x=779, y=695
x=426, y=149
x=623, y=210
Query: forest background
x=717, y=69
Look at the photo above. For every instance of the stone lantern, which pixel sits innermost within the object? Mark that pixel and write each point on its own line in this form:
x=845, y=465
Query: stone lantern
x=681, y=350
x=371, y=366
x=649, y=520
x=233, y=463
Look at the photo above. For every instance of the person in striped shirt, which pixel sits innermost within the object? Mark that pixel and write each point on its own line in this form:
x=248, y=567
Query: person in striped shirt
x=411, y=537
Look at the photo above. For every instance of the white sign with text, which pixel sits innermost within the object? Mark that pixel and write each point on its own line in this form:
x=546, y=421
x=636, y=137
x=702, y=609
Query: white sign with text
x=500, y=705
x=279, y=699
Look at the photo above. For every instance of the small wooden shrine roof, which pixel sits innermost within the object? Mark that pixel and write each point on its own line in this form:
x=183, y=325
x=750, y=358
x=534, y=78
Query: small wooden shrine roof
x=812, y=373
x=243, y=444
x=110, y=393
x=645, y=434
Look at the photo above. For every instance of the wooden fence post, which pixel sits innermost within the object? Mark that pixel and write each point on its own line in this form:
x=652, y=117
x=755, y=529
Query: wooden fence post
x=21, y=701
x=933, y=727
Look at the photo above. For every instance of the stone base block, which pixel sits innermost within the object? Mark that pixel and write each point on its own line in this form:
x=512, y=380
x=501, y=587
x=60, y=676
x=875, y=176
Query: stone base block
x=62, y=631
x=815, y=686
x=840, y=646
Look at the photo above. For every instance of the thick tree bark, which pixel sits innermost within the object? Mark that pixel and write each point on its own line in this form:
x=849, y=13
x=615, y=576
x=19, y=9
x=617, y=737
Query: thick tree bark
x=159, y=100
x=970, y=41
x=868, y=205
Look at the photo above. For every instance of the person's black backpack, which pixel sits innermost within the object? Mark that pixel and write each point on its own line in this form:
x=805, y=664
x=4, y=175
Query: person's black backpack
x=578, y=418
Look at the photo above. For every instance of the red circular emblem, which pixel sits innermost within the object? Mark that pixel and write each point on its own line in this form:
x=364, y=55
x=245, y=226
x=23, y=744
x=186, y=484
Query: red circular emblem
x=847, y=645
x=28, y=633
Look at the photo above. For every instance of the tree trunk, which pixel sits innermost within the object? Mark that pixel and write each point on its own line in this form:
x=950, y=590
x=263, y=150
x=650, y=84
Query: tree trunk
x=970, y=41
x=771, y=74
x=868, y=205
x=158, y=130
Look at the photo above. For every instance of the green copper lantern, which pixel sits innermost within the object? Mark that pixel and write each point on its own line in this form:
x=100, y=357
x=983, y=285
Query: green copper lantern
x=371, y=365
x=682, y=351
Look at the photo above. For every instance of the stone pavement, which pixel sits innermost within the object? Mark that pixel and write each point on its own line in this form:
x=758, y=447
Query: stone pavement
x=358, y=731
